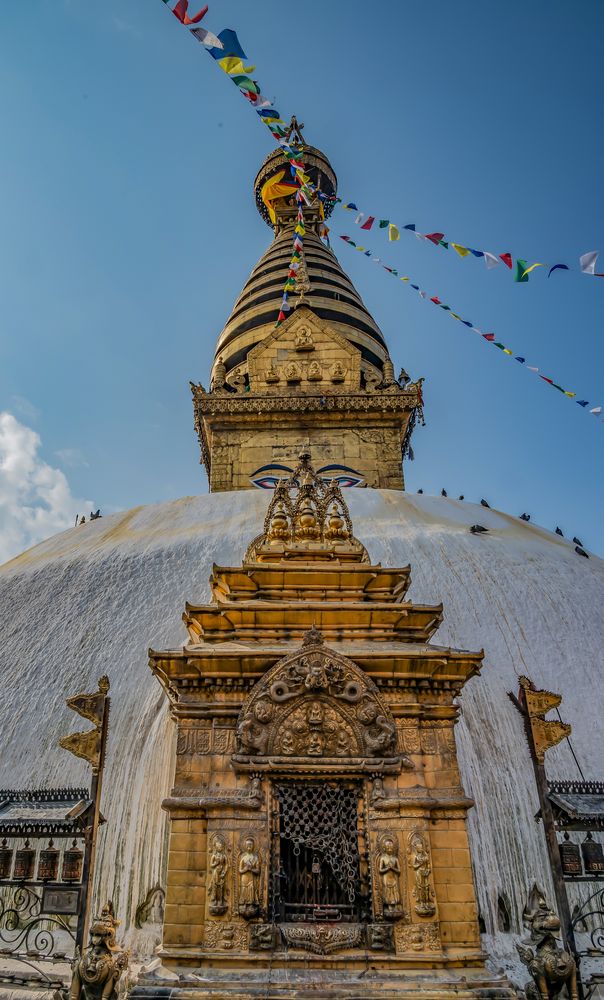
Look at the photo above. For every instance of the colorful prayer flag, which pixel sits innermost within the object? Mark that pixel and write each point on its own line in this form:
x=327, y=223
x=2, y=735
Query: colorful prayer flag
x=433, y=237
x=532, y=268
x=521, y=270
x=393, y=233
x=462, y=251
x=507, y=259
x=491, y=260
x=368, y=223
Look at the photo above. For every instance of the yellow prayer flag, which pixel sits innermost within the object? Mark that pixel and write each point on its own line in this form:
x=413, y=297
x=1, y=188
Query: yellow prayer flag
x=404, y=279
x=571, y=395
x=362, y=249
x=393, y=233
x=455, y=316
x=506, y=351
x=462, y=251
x=531, y=268
x=233, y=65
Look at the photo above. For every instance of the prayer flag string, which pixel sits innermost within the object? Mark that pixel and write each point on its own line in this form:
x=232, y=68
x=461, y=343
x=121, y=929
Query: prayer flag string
x=490, y=338
x=521, y=271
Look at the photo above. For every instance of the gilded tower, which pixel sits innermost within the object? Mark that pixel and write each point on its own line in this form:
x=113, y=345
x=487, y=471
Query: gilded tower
x=321, y=381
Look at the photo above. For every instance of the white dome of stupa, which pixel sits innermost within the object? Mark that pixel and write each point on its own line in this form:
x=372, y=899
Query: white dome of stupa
x=93, y=599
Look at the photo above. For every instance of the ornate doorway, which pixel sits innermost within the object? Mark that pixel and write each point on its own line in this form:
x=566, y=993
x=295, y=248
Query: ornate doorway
x=317, y=870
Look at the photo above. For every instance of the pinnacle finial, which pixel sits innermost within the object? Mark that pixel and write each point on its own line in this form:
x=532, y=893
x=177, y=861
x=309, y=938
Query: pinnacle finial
x=294, y=131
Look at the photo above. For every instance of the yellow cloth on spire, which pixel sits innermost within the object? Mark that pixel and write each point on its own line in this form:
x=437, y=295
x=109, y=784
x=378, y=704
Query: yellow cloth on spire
x=274, y=188
x=462, y=251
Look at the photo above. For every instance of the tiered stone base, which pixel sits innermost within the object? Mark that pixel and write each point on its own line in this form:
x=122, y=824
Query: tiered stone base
x=286, y=984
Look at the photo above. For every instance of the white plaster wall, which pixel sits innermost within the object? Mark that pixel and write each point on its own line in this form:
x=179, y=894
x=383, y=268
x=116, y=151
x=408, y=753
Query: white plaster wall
x=93, y=599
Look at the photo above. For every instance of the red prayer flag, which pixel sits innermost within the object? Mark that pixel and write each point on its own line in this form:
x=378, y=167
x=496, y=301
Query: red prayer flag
x=434, y=237
x=507, y=259
x=369, y=223
x=546, y=379
x=489, y=336
x=435, y=299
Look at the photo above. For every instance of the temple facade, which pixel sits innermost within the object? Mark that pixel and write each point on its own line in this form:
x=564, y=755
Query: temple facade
x=317, y=820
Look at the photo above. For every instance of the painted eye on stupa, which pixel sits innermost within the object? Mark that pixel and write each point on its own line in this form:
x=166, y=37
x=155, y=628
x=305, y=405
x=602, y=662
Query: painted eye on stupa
x=343, y=475
x=267, y=476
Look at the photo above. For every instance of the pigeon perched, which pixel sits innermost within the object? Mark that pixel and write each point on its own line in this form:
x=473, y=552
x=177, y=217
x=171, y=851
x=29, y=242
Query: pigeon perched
x=559, y=532
x=577, y=541
x=444, y=493
x=581, y=552
x=94, y=515
x=420, y=491
x=484, y=503
x=461, y=497
x=525, y=517
x=477, y=529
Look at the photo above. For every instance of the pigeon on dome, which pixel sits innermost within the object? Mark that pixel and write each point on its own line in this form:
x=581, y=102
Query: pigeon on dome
x=478, y=529
x=483, y=503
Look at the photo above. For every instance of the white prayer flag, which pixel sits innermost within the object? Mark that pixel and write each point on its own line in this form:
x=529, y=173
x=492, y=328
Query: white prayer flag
x=588, y=261
x=207, y=38
x=490, y=259
x=596, y=411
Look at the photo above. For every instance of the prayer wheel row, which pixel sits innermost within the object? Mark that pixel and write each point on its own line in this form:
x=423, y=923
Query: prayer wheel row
x=587, y=858
x=21, y=864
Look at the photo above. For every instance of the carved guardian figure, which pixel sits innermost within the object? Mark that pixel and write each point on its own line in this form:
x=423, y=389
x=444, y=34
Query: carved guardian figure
x=552, y=968
x=96, y=973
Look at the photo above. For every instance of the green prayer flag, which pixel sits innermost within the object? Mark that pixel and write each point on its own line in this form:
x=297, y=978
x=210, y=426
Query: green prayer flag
x=521, y=266
x=442, y=243
x=384, y=223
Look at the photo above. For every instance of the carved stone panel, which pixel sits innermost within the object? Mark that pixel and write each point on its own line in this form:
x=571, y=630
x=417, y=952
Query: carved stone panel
x=323, y=939
x=222, y=936
x=315, y=704
x=417, y=937
x=193, y=740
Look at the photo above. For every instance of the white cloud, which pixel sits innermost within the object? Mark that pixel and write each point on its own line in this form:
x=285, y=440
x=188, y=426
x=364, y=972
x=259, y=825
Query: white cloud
x=35, y=498
x=71, y=457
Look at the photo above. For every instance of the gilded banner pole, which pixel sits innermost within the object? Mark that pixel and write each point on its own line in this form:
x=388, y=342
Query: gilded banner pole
x=90, y=746
x=542, y=734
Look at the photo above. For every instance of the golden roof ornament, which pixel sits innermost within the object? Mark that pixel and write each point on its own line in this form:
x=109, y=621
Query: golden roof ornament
x=307, y=519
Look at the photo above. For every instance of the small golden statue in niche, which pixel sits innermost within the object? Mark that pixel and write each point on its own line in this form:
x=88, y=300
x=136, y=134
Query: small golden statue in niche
x=249, y=880
x=389, y=871
x=293, y=372
x=314, y=372
x=420, y=862
x=218, y=875
x=338, y=372
x=303, y=340
x=272, y=375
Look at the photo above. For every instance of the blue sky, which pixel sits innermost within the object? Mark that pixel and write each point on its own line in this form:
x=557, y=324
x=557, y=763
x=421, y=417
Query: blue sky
x=129, y=227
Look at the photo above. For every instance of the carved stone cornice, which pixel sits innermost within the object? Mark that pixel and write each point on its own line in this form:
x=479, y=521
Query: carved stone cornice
x=381, y=400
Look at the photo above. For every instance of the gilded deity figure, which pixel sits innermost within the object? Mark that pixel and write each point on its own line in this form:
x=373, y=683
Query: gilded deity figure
x=218, y=875
x=420, y=861
x=389, y=870
x=249, y=880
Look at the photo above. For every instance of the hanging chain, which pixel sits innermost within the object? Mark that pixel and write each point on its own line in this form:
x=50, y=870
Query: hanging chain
x=324, y=819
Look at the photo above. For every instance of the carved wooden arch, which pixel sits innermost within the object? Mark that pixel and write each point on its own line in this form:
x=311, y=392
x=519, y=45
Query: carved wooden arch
x=316, y=707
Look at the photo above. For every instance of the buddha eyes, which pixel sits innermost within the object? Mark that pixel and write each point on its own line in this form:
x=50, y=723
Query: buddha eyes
x=267, y=476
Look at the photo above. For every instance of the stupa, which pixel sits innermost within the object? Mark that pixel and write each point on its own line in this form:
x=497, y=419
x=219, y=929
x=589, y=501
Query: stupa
x=325, y=791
